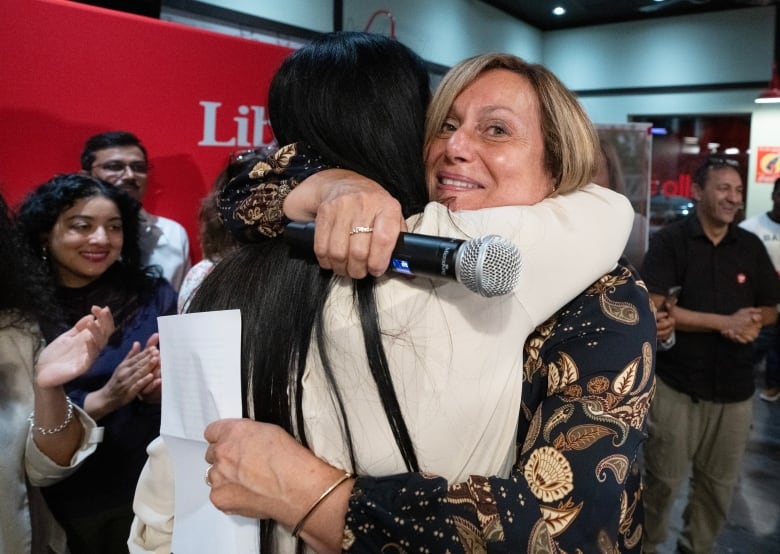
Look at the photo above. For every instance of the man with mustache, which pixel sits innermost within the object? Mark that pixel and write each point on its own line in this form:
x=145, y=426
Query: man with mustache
x=119, y=158
x=699, y=421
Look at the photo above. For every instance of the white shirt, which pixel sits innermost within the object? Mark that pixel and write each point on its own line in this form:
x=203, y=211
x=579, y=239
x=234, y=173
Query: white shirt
x=769, y=233
x=164, y=243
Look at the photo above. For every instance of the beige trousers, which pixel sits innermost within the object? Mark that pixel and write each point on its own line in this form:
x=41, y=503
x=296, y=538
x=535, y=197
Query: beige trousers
x=700, y=441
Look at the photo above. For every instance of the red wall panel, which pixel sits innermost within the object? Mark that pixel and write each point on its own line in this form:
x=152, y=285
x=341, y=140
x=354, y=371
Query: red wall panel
x=71, y=70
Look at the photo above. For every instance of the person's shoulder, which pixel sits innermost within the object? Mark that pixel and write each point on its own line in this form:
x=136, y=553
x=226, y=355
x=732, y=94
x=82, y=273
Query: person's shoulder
x=603, y=193
x=751, y=223
x=592, y=197
x=18, y=327
x=674, y=229
x=622, y=281
x=748, y=236
x=624, y=278
x=165, y=296
x=162, y=285
x=203, y=266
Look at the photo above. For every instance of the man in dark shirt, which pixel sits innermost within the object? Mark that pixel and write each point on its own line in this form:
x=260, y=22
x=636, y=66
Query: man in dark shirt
x=702, y=410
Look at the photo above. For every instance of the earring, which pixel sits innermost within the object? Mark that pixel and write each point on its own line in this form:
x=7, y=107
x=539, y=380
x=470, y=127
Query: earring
x=44, y=253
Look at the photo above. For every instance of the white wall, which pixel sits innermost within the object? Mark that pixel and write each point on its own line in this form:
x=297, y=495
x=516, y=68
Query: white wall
x=316, y=15
x=730, y=46
x=446, y=31
x=441, y=31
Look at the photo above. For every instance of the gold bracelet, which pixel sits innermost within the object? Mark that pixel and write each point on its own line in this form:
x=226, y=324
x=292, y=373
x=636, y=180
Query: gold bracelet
x=297, y=529
x=58, y=428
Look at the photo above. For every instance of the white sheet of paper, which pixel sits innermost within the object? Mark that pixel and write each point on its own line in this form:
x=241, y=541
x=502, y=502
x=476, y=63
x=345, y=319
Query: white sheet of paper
x=200, y=356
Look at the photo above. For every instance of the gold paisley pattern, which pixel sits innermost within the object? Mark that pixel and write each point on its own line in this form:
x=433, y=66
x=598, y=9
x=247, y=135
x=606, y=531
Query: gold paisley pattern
x=533, y=431
x=540, y=541
x=549, y=474
x=251, y=204
x=588, y=383
x=618, y=464
x=560, y=416
x=558, y=519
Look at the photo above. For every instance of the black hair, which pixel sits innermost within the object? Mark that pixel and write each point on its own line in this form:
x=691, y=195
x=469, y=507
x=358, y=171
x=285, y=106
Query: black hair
x=39, y=212
x=359, y=100
x=109, y=139
x=713, y=162
x=26, y=292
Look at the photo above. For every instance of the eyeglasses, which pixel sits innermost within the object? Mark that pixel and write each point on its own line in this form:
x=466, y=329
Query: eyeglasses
x=716, y=161
x=117, y=167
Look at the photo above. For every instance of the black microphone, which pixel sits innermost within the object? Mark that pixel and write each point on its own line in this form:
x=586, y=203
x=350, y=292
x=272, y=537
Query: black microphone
x=489, y=265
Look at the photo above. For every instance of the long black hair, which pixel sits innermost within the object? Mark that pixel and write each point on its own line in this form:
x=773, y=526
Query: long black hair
x=26, y=292
x=129, y=284
x=359, y=100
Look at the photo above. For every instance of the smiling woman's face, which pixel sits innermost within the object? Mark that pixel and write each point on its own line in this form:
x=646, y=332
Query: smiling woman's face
x=490, y=150
x=85, y=241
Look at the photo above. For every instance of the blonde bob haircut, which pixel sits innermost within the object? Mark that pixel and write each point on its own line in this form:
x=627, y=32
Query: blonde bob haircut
x=571, y=145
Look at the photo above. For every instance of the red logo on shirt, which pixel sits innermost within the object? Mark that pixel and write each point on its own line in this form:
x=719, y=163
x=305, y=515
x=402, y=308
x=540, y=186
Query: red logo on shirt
x=741, y=278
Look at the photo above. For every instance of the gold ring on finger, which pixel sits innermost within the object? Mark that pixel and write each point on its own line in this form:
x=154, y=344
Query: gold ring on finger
x=361, y=229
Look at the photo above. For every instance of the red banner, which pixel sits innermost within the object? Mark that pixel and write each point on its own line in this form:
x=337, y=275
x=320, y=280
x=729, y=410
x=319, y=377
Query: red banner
x=70, y=70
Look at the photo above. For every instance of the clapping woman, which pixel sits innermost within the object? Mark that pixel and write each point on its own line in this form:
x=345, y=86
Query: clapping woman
x=85, y=234
x=44, y=437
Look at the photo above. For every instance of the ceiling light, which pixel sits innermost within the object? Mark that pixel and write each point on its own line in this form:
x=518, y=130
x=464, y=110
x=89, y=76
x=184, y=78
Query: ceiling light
x=559, y=10
x=771, y=94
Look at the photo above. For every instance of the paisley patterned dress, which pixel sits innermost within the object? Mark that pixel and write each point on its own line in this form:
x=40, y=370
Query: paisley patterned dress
x=576, y=486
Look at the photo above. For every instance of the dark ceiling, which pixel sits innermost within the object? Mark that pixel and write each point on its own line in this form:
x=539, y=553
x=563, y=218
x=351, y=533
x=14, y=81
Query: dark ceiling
x=580, y=13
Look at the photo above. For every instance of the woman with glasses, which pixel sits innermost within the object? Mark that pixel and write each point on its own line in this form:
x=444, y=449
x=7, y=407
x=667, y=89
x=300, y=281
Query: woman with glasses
x=84, y=233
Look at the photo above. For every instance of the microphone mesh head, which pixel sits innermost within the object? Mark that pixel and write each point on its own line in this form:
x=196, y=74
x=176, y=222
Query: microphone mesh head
x=489, y=266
